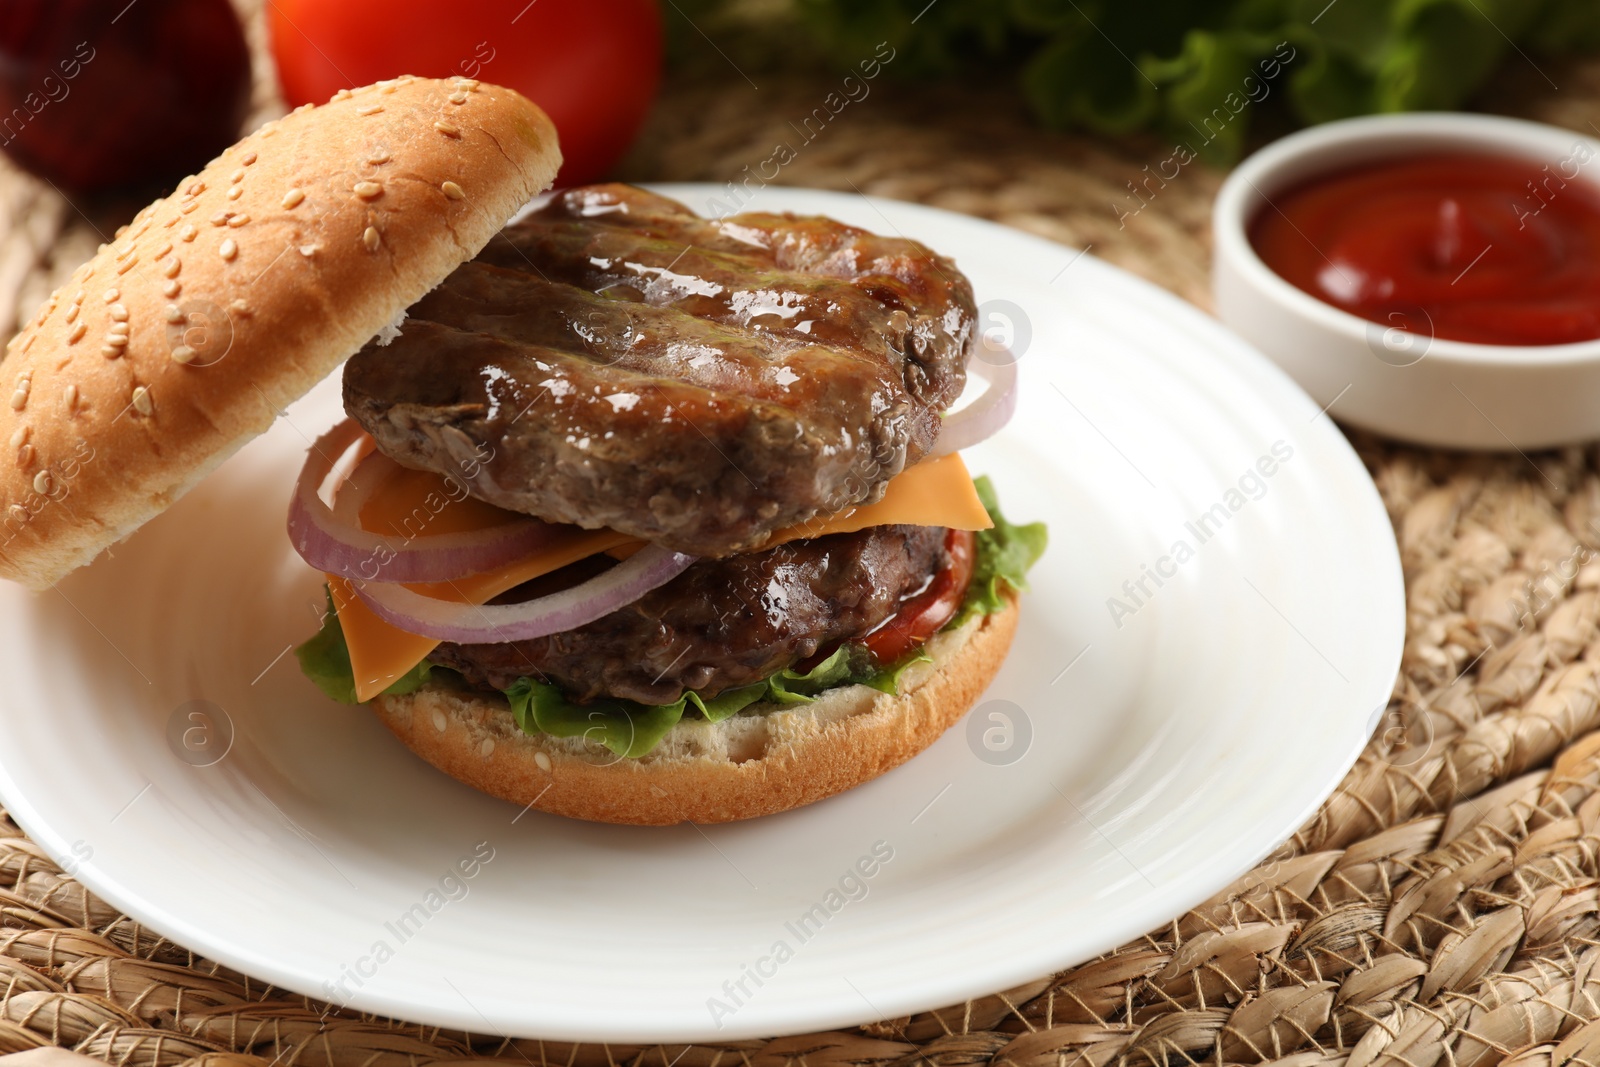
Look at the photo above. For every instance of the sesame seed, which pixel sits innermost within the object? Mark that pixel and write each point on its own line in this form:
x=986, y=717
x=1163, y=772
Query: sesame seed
x=42, y=483
x=249, y=158
x=77, y=298
x=370, y=239
x=458, y=98
x=439, y=720
x=486, y=747
x=126, y=250
x=110, y=351
x=141, y=400
x=228, y=249
x=117, y=340
x=69, y=397
x=170, y=289
x=128, y=264
x=77, y=333
x=387, y=87
x=190, y=206
x=119, y=313
x=239, y=307
x=234, y=192
x=469, y=84
x=293, y=198
x=111, y=295
x=237, y=176
x=175, y=314
x=378, y=159
x=368, y=190
x=172, y=266
x=453, y=191
x=25, y=456
x=221, y=218
x=20, y=438
x=19, y=512
x=238, y=220
x=370, y=109
x=542, y=761
x=163, y=250
x=308, y=250
x=195, y=188
x=188, y=233
x=342, y=94
x=447, y=129
x=183, y=354
x=72, y=313
x=19, y=400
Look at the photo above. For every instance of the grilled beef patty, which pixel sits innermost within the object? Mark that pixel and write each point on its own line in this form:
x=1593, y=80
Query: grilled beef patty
x=722, y=623
x=698, y=383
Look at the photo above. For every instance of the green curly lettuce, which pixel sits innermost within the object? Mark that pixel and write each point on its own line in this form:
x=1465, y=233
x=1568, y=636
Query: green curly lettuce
x=630, y=729
x=1003, y=556
x=1198, y=71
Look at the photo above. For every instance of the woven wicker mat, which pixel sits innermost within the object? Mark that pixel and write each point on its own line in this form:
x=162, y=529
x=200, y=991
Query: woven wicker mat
x=1444, y=905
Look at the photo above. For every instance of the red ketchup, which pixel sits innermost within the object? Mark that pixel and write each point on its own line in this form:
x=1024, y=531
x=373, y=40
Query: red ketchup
x=1476, y=248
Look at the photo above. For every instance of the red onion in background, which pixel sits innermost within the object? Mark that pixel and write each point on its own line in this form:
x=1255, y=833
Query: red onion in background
x=106, y=94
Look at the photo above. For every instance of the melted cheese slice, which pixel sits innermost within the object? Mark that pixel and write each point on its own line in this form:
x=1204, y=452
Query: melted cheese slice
x=937, y=492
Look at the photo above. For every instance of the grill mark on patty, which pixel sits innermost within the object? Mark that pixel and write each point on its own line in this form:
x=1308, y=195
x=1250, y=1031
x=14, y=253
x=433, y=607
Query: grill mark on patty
x=696, y=383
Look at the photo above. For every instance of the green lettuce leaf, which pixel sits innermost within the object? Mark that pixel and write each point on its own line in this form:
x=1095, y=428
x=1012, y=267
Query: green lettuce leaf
x=729, y=702
x=1005, y=555
x=849, y=663
x=325, y=659
x=630, y=730
x=888, y=679
x=1181, y=67
x=627, y=729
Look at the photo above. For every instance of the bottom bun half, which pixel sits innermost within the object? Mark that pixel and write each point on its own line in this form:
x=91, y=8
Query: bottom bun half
x=766, y=759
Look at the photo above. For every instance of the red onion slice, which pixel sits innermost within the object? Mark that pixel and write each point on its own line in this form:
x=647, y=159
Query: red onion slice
x=984, y=417
x=500, y=623
x=336, y=543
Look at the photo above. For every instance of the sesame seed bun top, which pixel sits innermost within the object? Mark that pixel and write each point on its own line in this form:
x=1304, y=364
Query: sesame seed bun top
x=222, y=303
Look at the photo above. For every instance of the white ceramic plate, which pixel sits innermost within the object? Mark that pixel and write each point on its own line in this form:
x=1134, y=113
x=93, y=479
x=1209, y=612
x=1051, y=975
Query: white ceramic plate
x=1118, y=771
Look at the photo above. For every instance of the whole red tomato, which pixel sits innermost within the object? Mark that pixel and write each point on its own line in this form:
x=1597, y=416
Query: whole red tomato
x=593, y=65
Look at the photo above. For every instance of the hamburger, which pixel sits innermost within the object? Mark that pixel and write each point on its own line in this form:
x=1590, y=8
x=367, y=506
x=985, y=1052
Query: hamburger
x=637, y=517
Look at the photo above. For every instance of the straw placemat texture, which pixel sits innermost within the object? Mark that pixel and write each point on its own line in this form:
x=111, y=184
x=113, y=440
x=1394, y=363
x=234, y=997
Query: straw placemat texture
x=1442, y=907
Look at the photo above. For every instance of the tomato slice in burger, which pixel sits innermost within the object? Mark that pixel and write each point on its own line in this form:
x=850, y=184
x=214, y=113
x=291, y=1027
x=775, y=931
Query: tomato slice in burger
x=921, y=615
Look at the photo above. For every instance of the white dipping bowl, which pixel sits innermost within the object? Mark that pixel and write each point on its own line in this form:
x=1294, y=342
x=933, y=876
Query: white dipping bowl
x=1401, y=384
